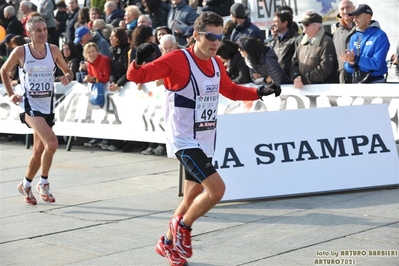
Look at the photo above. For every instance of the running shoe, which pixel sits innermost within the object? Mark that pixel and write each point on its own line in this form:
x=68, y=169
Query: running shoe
x=27, y=193
x=45, y=193
x=181, y=237
x=170, y=253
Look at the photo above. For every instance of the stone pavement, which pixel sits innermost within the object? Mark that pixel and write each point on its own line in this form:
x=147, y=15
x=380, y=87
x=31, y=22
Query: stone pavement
x=112, y=207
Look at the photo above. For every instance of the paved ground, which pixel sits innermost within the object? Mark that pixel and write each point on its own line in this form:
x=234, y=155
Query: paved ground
x=112, y=207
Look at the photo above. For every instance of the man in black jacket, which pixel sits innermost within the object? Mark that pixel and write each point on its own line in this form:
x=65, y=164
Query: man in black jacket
x=284, y=45
x=14, y=25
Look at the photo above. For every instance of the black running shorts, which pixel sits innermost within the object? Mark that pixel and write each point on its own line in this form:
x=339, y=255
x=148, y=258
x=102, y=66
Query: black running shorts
x=196, y=164
x=49, y=118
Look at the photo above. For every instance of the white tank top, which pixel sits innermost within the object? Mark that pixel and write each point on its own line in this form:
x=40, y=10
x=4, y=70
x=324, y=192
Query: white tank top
x=190, y=113
x=37, y=81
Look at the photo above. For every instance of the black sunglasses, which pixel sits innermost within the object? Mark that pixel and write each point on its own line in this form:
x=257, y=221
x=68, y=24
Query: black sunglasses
x=212, y=37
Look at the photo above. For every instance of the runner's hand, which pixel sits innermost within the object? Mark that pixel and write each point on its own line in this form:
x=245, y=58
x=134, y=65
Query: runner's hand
x=265, y=91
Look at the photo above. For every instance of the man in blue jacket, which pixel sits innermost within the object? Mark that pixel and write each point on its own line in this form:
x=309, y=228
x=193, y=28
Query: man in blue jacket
x=367, y=51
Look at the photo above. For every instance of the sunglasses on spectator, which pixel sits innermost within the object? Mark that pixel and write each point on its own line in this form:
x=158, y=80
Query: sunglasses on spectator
x=307, y=24
x=212, y=37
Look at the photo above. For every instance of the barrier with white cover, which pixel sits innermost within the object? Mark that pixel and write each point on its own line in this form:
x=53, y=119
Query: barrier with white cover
x=304, y=147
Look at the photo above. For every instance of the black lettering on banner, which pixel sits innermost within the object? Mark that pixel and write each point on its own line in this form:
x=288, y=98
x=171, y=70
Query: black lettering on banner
x=305, y=148
x=111, y=111
x=332, y=152
x=285, y=150
x=358, y=141
x=271, y=6
x=150, y=120
x=72, y=105
x=230, y=156
x=260, y=152
x=377, y=141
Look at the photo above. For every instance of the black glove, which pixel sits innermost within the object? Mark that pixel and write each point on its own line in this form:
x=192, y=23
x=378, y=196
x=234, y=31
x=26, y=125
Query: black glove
x=144, y=51
x=272, y=88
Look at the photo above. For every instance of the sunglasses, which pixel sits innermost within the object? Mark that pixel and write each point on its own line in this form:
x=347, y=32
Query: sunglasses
x=307, y=24
x=212, y=37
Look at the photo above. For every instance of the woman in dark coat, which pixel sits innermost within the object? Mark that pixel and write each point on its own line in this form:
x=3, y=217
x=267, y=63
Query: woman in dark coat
x=234, y=62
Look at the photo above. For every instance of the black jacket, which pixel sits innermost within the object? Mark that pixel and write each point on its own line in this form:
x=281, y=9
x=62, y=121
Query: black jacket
x=115, y=17
x=15, y=26
x=285, y=49
x=70, y=27
x=119, y=64
x=220, y=7
x=238, y=70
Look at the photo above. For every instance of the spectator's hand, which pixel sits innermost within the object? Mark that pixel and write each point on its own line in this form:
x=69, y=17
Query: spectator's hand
x=82, y=66
x=113, y=87
x=298, y=82
x=256, y=75
x=394, y=59
x=265, y=91
x=88, y=79
x=139, y=86
x=122, y=24
x=144, y=51
x=349, y=57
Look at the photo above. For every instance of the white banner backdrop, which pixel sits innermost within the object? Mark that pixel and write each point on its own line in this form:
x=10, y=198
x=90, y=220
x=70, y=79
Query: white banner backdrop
x=269, y=154
x=133, y=114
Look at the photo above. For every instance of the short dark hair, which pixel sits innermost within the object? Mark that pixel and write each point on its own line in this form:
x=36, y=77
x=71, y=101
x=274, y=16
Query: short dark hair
x=255, y=49
x=284, y=16
x=207, y=18
x=227, y=49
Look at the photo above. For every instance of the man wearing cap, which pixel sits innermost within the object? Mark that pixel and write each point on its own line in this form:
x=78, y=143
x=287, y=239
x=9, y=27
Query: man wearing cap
x=367, y=49
x=5, y=45
x=314, y=60
x=345, y=28
x=244, y=26
x=83, y=36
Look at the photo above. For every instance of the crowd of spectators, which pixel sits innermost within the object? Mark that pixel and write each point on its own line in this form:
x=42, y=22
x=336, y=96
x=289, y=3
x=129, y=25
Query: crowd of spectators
x=110, y=35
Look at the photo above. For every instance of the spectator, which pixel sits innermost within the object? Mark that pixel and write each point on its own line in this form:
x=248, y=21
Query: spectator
x=15, y=41
x=119, y=49
x=228, y=29
x=244, y=27
x=158, y=12
x=83, y=17
x=143, y=34
x=188, y=34
x=26, y=9
x=144, y=20
x=345, y=28
x=84, y=36
x=61, y=18
x=284, y=46
x=98, y=71
x=367, y=50
x=161, y=31
x=295, y=26
x=5, y=45
x=132, y=13
x=46, y=9
x=262, y=62
x=314, y=60
x=233, y=61
x=220, y=7
x=113, y=15
x=3, y=20
x=73, y=18
x=94, y=13
x=72, y=57
x=14, y=25
x=180, y=17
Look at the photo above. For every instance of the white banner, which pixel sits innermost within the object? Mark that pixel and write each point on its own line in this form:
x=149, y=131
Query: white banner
x=270, y=154
x=133, y=114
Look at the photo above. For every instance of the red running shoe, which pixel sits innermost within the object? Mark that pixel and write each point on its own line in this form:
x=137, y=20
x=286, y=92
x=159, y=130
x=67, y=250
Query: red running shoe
x=181, y=237
x=170, y=253
x=27, y=193
x=45, y=193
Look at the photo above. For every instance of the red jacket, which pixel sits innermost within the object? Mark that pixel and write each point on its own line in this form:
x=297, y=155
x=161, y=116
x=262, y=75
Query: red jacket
x=100, y=68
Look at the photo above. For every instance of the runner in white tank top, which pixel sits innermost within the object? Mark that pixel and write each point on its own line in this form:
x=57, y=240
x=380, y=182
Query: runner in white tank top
x=37, y=63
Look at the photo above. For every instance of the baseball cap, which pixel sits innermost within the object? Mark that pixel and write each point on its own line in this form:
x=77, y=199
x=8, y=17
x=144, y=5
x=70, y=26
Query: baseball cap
x=363, y=8
x=7, y=38
x=189, y=32
x=79, y=33
x=311, y=17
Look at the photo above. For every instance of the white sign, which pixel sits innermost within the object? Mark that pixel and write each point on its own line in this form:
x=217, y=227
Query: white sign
x=269, y=154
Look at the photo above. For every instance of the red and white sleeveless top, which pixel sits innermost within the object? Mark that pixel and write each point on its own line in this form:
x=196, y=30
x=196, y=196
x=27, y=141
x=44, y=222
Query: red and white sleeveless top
x=191, y=112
